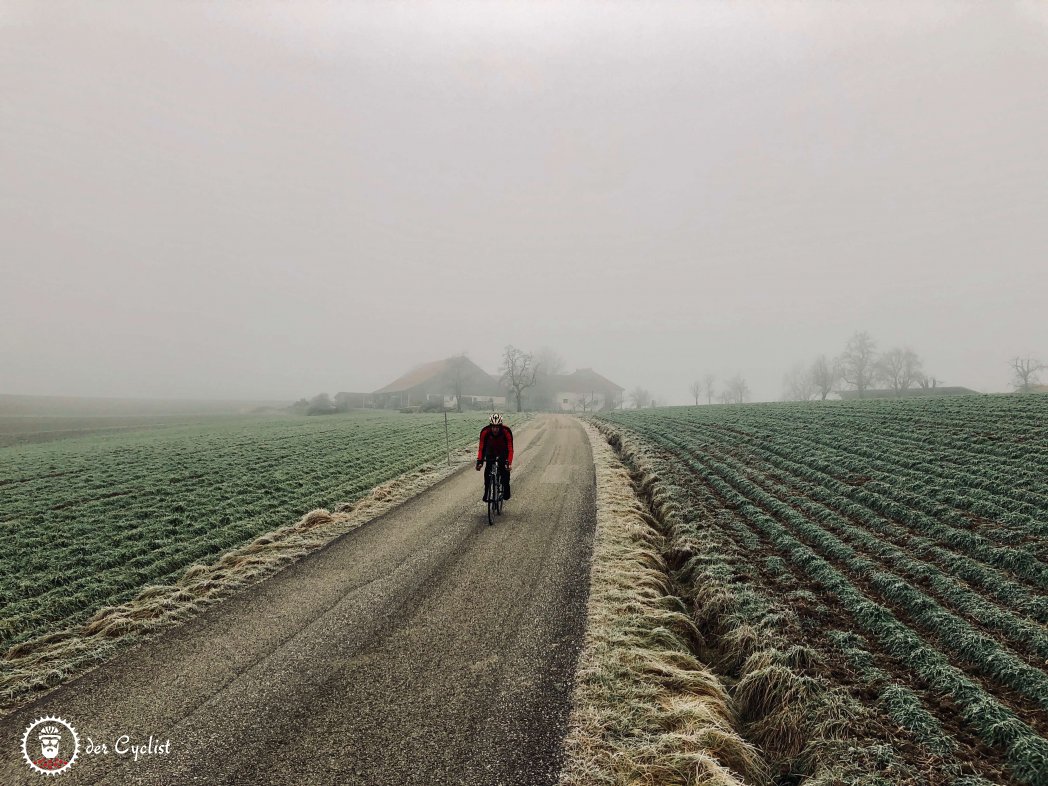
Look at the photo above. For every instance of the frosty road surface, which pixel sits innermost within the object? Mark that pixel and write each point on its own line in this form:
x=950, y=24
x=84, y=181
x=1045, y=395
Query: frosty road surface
x=423, y=648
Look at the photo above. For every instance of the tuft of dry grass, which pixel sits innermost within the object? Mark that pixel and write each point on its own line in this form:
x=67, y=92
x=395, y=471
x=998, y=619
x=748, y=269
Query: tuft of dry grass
x=645, y=710
x=778, y=703
x=39, y=664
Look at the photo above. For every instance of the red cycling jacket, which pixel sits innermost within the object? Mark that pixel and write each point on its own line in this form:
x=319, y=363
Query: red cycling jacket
x=500, y=445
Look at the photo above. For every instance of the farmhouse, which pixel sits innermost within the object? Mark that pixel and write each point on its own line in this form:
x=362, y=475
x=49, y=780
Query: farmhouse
x=583, y=391
x=442, y=382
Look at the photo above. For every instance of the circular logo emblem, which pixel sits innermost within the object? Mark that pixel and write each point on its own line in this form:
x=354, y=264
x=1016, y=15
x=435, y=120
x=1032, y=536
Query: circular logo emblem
x=50, y=745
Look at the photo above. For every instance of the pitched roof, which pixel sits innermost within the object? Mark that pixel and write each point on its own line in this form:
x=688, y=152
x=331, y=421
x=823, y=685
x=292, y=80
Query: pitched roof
x=475, y=380
x=416, y=376
x=583, y=380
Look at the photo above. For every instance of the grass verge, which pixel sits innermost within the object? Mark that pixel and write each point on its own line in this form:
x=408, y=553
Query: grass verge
x=645, y=709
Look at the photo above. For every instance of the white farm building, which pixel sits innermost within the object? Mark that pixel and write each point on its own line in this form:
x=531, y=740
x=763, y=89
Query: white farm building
x=584, y=391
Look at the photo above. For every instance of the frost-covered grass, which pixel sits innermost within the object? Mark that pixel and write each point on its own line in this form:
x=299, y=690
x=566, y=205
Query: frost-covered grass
x=645, y=709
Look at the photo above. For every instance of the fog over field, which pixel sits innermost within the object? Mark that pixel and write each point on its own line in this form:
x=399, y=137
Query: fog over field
x=267, y=200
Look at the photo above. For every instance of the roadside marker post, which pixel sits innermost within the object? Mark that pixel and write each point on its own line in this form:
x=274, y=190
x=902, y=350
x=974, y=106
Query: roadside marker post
x=447, y=439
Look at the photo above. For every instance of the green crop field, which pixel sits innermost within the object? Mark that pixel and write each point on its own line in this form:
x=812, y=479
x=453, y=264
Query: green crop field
x=887, y=560
x=88, y=522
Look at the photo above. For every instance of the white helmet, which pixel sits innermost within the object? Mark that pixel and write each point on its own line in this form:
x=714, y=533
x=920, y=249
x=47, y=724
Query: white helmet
x=496, y=419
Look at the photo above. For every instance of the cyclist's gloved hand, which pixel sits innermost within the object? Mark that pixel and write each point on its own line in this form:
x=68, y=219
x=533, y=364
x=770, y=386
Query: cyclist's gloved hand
x=509, y=467
x=479, y=465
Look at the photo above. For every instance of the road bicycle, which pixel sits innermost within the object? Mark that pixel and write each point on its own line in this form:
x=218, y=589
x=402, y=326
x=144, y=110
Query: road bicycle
x=495, y=500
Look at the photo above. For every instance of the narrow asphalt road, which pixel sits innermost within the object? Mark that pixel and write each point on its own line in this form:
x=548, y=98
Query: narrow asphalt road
x=423, y=648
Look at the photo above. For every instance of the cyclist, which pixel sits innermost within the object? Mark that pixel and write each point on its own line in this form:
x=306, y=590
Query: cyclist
x=496, y=444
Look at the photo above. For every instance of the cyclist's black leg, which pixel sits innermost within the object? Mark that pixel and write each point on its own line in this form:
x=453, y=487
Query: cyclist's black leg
x=505, y=473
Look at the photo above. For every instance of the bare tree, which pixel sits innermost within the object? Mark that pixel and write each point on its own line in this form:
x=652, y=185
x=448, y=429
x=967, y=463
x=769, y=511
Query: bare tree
x=548, y=365
x=639, y=397
x=857, y=362
x=825, y=374
x=696, y=391
x=737, y=390
x=707, y=382
x=1024, y=373
x=549, y=360
x=724, y=397
x=927, y=382
x=457, y=373
x=518, y=372
x=900, y=368
x=586, y=401
x=797, y=384
x=913, y=369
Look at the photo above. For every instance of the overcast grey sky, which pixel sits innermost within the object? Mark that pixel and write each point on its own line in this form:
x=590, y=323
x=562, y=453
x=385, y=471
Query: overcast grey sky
x=273, y=199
